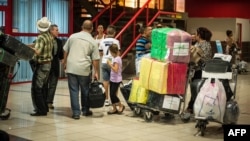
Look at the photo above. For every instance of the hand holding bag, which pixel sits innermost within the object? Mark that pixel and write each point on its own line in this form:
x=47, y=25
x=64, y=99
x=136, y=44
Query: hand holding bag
x=96, y=94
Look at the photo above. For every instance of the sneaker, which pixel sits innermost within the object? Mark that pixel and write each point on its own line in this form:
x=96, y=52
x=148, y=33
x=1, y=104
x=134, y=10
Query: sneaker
x=106, y=103
x=89, y=113
x=76, y=117
x=50, y=106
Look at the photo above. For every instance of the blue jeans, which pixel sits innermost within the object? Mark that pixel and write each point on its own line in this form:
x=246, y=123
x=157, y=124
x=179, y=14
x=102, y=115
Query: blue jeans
x=75, y=82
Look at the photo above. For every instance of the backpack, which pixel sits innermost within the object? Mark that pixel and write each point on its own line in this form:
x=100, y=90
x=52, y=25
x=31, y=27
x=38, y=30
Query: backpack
x=96, y=94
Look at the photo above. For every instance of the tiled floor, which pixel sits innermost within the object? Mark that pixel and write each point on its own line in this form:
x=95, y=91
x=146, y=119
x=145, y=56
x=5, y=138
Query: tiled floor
x=59, y=125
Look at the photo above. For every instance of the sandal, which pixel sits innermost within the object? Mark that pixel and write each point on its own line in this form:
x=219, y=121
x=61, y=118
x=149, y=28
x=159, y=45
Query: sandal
x=112, y=112
x=119, y=112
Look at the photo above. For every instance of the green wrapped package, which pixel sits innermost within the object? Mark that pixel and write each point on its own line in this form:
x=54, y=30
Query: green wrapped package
x=170, y=44
x=159, y=43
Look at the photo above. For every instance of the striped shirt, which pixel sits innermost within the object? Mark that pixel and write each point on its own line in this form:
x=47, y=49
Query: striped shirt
x=140, y=46
x=44, y=44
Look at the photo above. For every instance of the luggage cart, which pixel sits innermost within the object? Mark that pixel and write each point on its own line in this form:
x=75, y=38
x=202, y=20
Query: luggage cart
x=232, y=76
x=169, y=104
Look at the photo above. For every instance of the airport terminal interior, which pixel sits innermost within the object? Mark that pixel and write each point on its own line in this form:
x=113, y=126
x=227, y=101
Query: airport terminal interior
x=59, y=126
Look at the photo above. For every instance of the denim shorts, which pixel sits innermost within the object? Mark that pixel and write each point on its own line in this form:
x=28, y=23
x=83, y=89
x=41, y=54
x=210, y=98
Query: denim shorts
x=105, y=72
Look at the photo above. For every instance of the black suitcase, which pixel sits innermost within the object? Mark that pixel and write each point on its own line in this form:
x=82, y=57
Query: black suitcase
x=125, y=90
x=5, y=80
x=17, y=48
x=217, y=65
x=7, y=58
x=96, y=94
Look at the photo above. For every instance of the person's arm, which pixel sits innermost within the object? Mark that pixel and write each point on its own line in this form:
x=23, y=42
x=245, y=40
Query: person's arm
x=114, y=66
x=96, y=68
x=148, y=45
x=64, y=61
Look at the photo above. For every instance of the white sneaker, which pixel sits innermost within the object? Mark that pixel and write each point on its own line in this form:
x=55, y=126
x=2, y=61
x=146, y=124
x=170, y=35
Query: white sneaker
x=106, y=103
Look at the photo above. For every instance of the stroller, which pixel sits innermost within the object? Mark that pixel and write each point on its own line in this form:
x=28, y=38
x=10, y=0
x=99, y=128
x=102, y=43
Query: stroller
x=221, y=106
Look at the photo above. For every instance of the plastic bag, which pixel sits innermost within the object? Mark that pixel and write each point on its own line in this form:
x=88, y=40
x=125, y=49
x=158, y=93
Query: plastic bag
x=211, y=100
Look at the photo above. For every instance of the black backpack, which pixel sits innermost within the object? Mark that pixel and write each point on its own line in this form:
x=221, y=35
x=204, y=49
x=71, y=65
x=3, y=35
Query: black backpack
x=96, y=94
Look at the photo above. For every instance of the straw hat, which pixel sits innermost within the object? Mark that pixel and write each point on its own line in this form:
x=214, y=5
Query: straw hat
x=43, y=24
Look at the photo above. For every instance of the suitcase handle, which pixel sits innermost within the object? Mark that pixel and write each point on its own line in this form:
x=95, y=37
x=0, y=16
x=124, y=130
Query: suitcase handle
x=13, y=76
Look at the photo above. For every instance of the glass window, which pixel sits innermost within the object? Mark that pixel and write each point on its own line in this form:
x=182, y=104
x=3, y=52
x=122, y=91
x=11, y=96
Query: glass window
x=3, y=2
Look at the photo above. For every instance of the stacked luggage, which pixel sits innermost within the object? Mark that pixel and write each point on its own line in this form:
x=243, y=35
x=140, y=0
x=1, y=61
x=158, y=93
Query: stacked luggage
x=11, y=50
x=162, y=83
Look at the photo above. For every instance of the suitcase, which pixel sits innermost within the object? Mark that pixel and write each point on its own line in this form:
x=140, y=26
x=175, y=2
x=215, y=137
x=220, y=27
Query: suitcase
x=231, y=113
x=7, y=58
x=5, y=81
x=96, y=94
x=125, y=90
x=17, y=48
x=217, y=65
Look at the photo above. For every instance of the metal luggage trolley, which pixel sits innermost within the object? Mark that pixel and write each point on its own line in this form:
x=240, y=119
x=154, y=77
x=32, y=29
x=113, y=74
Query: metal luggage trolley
x=169, y=104
x=232, y=77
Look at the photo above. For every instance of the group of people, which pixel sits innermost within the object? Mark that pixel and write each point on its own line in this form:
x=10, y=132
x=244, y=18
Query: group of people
x=80, y=56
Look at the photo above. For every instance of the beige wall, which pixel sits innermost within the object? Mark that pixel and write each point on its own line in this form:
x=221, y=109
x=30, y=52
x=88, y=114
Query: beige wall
x=218, y=26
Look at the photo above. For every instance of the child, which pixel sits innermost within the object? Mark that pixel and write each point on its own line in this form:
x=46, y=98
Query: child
x=115, y=79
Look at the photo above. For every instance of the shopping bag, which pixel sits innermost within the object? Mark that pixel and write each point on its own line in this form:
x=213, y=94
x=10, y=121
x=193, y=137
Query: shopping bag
x=211, y=100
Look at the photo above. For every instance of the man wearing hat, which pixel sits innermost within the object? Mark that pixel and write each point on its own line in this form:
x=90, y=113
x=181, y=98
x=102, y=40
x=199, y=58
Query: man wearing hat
x=43, y=57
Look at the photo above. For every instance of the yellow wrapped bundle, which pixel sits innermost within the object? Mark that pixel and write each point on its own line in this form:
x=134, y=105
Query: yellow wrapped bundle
x=153, y=75
x=138, y=94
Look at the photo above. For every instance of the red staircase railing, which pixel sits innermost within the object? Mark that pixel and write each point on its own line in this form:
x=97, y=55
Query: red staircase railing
x=147, y=23
x=107, y=7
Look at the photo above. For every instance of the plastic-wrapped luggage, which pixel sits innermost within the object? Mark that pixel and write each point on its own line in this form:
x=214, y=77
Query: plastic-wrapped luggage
x=17, y=48
x=7, y=58
x=170, y=44
x=5, y=81
x=96, y=94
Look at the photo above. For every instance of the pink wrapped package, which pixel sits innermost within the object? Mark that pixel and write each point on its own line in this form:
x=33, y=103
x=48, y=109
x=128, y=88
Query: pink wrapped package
x=178, y=44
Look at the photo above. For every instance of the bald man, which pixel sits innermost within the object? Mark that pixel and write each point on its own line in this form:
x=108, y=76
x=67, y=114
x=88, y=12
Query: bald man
x=80, y=53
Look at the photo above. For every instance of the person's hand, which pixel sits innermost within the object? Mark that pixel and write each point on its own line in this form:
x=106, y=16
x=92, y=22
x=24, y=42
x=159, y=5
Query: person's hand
x=109, y=62
x=64, y=64
x=96, y=76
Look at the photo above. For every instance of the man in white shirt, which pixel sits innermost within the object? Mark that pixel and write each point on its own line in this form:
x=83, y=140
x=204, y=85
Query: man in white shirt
x=104, y=52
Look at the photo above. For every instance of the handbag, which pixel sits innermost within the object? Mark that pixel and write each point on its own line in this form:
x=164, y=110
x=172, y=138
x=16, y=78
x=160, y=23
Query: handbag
x=96, y=94
x=196, y=54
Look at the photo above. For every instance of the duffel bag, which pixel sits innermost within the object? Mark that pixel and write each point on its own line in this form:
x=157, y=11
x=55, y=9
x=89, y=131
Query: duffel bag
x=96, y=94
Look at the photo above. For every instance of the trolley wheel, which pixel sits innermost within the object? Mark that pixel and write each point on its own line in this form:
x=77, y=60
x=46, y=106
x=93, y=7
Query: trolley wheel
x=185, y=117
x=6, y=114
x=201, y=125
x=148, y=116
x=137, y=111
x=202, y=129
x=168, y=116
